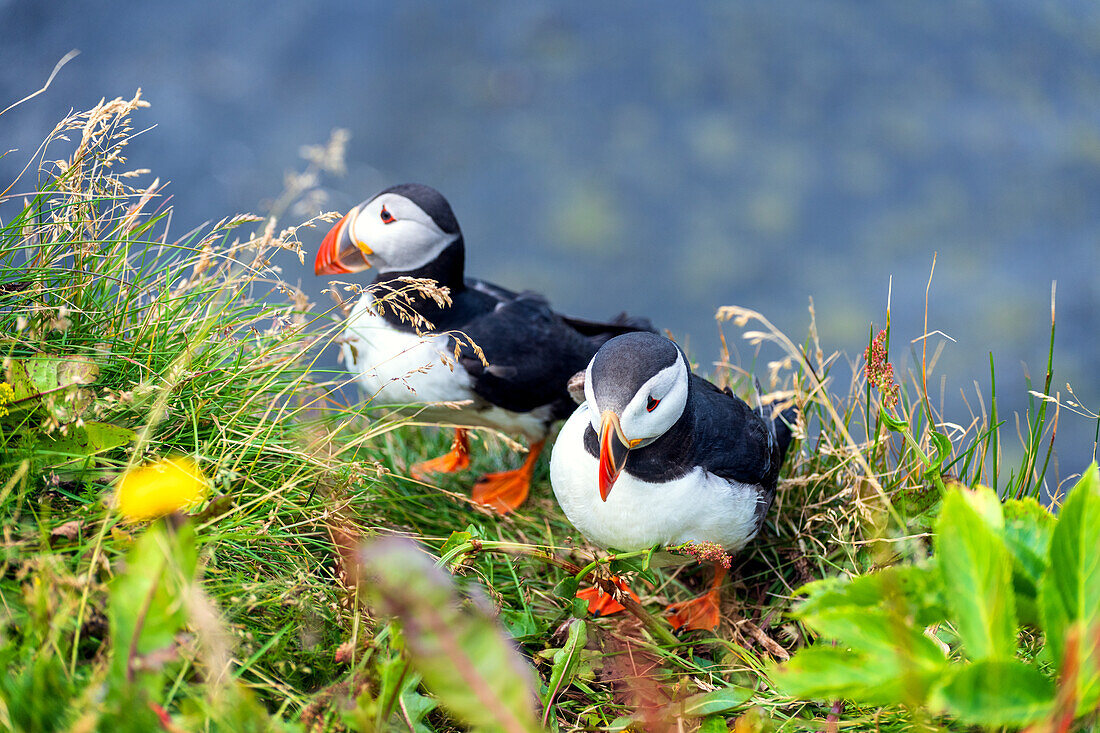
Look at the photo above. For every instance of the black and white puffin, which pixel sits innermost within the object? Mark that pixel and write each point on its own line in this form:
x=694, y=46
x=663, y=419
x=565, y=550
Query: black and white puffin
x=656, y=455
x=409, y=230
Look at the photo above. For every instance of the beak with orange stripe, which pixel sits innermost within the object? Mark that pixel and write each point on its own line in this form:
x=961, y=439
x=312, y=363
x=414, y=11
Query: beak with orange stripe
x=341, y=253
x=614, y=449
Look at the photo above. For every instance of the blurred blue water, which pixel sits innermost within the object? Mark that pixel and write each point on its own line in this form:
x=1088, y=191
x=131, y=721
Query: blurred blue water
x=660, y=159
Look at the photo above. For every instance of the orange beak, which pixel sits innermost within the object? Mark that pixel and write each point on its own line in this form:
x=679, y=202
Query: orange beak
x=614, y=448
x=340, y=254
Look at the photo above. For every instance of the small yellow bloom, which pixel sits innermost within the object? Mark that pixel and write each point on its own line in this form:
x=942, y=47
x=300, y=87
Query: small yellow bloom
x=7, y=394
x=160, y=488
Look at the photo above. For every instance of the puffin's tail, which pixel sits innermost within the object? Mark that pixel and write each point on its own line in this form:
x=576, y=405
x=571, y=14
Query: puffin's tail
x=779, y=426
x=783, y=423
x=600, y=332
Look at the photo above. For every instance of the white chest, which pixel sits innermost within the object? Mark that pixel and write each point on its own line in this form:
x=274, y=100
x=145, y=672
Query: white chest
x=698, y=507
x=397, y=368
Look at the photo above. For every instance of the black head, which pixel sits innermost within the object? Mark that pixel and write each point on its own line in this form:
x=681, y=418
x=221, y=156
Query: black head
x=405, y=228
x=430, y=201
x=636, y=389
x=624, y=364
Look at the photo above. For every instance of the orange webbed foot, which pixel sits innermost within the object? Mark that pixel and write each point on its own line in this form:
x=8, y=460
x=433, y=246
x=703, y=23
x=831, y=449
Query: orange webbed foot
x=702, y=613
x=457, y=459
x=504, y=492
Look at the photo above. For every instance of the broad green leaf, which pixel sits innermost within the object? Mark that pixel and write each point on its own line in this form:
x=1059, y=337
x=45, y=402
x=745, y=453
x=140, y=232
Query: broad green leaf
x=567, y=587
x=985, y=503
x=1070, y=588
x=50, y=375
x=879, y=632
x=464, y=656
x=977, y=573
x=880, y=659
x=520, y=623
x=714, y=724
x=829, y=673
x=92, y=438
x=149, y=603
x=566, y=660
x=417, y=707
x=913, y=590
x=723, y=700
x=1027, y=531
x=19, y=378
x=997, y=692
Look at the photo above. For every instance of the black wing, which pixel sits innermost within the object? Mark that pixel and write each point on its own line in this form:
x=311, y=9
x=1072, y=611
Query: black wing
x=531, y=354
x=605, y=330
x=739, y=444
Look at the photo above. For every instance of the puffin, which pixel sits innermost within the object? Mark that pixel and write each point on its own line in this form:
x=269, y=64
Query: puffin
x=417, y=351
x=656, y=455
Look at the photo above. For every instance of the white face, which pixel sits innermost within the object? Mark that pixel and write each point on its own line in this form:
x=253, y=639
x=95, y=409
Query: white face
x=398, y=233
x=668, y=388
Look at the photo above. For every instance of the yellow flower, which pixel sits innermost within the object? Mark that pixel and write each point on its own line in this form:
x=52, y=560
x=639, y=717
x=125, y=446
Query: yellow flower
x=160, y=488
x=7, y=394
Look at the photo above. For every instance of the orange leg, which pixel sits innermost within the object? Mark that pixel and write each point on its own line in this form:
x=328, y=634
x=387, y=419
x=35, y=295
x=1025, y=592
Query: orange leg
x=456, y=460
x=701, y=613
x=604, y=604
x=505, y=491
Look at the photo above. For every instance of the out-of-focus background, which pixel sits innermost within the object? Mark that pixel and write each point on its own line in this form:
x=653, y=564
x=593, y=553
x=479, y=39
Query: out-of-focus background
x=660, y=159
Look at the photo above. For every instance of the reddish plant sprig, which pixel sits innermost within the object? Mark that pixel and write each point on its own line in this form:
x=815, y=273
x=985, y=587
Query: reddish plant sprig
x=879, y=371
x=705, y=552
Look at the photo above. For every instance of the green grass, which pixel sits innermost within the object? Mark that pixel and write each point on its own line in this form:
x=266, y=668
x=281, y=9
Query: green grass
x=200, y=349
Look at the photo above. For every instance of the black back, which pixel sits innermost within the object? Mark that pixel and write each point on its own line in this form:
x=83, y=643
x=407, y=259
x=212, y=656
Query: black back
x=718, y=432
x=531, y=350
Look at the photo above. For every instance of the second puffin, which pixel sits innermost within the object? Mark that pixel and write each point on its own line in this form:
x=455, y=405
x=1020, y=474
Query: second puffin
x=530, y=351
x=659, y=456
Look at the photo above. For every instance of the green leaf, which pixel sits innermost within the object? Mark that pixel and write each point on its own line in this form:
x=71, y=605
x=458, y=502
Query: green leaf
x=943, y=451
x=724, y=700
x=996, y=692
x=977, y=569
x=1069, y=591
x=566, y=660
x=19, y=378
x=465, y=658
x=713, y=724
x=148, y=605
x=1027, y=531
x=898, y=426
x=92, y=438
x=567, y=587
x=417, y=707
x=914, y=590
x=828, y=673
x=638, y=564
x=880, y=659
x=986, y=505
x=53, y=375
x=520, y=623
x=456, y=540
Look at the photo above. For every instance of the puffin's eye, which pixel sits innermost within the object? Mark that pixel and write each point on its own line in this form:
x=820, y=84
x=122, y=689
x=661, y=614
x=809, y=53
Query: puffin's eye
x=387, y=217
x=651, y=405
